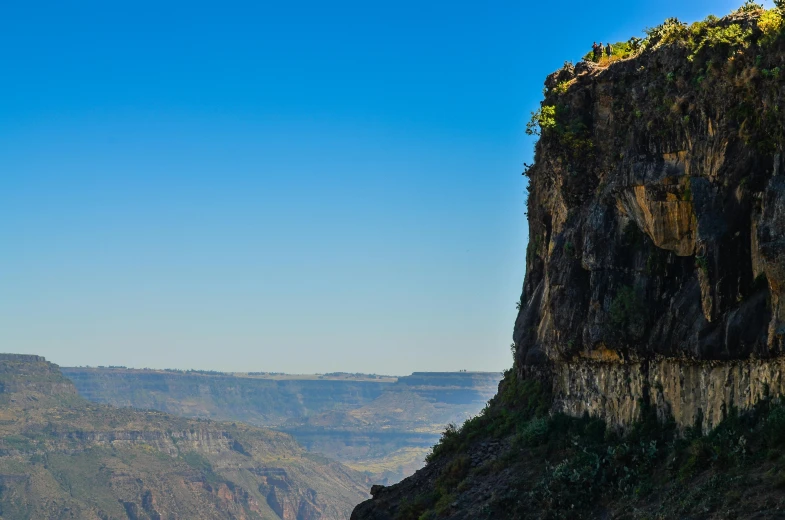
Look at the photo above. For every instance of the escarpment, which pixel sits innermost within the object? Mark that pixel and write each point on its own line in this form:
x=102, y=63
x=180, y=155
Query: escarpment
x=649, y=359
x=656, y=262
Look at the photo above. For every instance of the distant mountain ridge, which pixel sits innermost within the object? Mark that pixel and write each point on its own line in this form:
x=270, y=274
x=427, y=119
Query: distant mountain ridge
x=64, y=457
x=260, y=400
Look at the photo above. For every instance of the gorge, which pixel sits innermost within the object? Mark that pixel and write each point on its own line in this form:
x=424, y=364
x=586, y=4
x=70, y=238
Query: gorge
x=380, y=425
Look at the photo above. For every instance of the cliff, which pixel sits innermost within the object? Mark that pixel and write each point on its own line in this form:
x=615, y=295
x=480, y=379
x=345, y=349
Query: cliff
x=64, y=457
x=650, y=342
x=657, y=230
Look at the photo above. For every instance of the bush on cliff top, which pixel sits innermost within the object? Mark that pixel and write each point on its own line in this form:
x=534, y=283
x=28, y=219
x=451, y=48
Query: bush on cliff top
x=771, y=25
x=750, y=6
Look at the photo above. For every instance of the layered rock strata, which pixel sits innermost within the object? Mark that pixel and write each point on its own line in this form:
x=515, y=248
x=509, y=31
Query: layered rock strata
x=64, y=457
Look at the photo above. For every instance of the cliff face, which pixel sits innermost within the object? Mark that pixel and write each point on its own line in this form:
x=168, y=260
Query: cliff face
x=650, y=342
x=656, y=261
x=63, y=457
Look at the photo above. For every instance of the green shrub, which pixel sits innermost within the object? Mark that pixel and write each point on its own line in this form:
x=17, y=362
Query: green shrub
x=587, y=464
x=449, y=441
x=703, y=35
x=542, y=120
x=535, y=432
x=669, y=31
x=708, y=34
x=598, y=465
x=771, y=24
x=562, y=87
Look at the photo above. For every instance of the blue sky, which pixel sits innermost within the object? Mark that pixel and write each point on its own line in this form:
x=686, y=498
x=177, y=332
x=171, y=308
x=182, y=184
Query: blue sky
x=292, y=186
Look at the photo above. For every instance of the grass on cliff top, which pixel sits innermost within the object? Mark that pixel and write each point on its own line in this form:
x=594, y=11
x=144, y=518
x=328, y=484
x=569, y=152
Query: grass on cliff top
x=733, y=64
x=565, y=467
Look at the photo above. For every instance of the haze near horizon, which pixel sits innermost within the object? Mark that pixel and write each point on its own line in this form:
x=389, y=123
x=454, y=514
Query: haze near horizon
x=299, y=188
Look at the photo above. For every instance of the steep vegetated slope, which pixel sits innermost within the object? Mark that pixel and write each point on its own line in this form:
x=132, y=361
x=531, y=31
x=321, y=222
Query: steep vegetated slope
x=382, y=426
x=64, y=457
x=650, y=343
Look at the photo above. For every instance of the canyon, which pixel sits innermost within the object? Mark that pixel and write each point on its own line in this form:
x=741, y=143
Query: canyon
x=380, y=425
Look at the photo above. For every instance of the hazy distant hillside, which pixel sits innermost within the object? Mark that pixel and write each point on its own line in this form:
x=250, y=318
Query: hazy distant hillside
x=263, y=400
x=64, y=457
x=380, y=425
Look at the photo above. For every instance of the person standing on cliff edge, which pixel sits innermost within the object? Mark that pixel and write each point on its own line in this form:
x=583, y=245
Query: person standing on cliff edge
x=609, y=50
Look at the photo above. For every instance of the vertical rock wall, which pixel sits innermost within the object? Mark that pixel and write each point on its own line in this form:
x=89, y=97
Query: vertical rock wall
x=656, y=262
x=692, y=393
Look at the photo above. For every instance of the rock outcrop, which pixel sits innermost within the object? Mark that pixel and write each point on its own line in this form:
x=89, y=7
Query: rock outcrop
x=656, y=264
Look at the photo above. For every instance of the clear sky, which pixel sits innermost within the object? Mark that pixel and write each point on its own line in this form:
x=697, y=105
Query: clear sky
x=290, y=186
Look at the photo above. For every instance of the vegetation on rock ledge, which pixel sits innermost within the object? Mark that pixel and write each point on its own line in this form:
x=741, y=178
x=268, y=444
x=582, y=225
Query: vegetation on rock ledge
x=565, y=467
